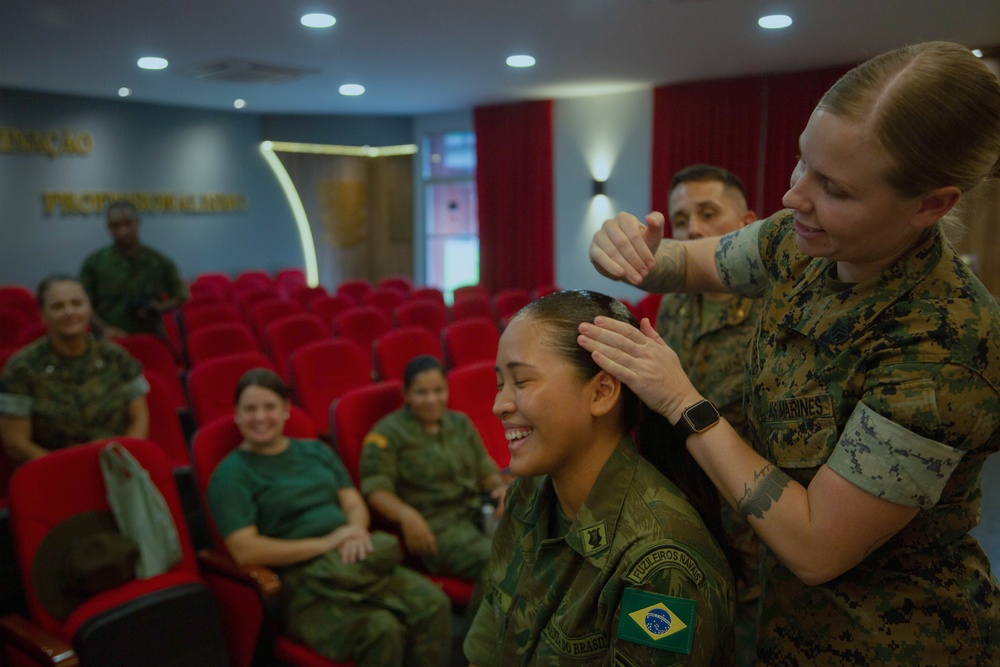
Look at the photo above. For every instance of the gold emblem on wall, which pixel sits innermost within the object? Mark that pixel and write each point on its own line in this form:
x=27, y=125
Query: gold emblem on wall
x=344, y=210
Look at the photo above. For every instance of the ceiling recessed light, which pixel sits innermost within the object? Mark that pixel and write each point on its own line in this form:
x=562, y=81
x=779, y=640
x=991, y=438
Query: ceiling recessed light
x=352, y=89
x=977, y=53
x=239, y=103
x=521, y=61
x=152, y=62
x=318, y=20
x=774, y=21
x=124, y=91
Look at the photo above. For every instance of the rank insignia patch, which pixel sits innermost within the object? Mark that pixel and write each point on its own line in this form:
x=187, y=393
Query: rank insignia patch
x=660, y=621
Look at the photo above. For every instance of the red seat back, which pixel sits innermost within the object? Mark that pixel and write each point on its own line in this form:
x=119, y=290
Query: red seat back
x=219, y=340
x=45, y=491
x=470, y=340
x=164, y=425
x=472, y=305
x=425, y=313
x=385, y=300
x=156, y=356
x=212, y=384
x=323, y=371
x=355, y=289
x=395, y=349
x=287, y=334
x=507, y=302
x=353, y=416
x=362, y=324
x=472, y=389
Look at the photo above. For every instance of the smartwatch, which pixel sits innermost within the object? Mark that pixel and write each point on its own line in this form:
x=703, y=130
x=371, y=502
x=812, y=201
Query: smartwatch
x=698, y=418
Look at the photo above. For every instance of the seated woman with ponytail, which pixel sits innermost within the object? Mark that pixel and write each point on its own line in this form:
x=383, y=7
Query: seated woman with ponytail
x=611, y=550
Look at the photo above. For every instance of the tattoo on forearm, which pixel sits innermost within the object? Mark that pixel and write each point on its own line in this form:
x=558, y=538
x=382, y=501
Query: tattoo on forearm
x=671, y=268
x=768, y=484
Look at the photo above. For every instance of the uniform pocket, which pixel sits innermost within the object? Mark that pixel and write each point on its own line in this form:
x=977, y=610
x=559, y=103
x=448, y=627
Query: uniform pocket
x=800, y=432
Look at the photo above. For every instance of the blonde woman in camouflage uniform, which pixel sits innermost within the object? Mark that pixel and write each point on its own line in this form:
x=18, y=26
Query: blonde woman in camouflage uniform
x=873, y=392
x=68, y=388
x=600, y=559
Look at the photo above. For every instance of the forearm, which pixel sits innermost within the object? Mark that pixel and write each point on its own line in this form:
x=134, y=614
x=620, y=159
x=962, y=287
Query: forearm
x=818, y=531
x=17, y=439
x=684, y=266
x=274, y=552
x=357, y=516
x=138, y=425
x=389, y=505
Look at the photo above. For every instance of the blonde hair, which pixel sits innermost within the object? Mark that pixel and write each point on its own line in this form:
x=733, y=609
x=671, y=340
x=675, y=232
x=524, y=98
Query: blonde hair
x=935, y=110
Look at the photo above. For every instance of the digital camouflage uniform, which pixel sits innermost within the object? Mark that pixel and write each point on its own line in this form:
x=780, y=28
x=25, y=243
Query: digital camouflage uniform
x=711, y=339
x=636, y=580
x=118, y=285
x=439, y=475
x=71, y=400
x=893, y=383
x=376, y=612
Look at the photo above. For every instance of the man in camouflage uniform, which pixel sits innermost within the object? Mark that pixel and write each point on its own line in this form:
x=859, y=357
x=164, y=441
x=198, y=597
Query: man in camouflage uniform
x=130, y=285
x=441, y=476
x=894, y=384
x=710, y=334
x=635, y=579
x=53, y=395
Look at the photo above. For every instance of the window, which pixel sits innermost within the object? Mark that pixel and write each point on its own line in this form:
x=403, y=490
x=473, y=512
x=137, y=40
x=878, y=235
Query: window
x=451, y=211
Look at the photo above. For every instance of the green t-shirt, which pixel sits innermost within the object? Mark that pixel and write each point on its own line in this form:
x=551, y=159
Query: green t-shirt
x=291, y=495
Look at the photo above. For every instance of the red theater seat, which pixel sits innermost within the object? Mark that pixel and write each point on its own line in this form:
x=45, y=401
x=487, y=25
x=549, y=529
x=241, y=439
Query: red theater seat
x=127, y=624
x=470, y=340
x=395, y=348
x=322, y=371
x=212, y=383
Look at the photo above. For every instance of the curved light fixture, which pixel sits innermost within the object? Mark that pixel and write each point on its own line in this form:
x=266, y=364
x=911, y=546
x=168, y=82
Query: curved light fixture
x=318, y=20
x=774, y=21
x=521, y=61
x=298, y=212
x=152, y=62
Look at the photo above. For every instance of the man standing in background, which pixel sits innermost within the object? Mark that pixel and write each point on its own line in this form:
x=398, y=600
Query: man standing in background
x=710, y=334
x=130, y=285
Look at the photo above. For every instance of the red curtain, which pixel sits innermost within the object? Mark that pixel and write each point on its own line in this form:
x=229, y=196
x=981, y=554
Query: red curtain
x=514, y=181
x=791, y=99
x=749, y=126
x=711, y=122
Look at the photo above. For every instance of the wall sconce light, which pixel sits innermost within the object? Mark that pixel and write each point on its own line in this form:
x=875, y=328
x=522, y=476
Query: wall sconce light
x=598, y=187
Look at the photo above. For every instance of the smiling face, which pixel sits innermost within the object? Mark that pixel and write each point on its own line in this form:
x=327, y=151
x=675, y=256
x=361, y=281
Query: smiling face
x=542, y=401
x=261, y=415
x=66, y=309
x=427, y=397
x=843, y=207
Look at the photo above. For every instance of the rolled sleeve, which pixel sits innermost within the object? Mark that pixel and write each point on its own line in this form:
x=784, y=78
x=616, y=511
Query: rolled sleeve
x=138, y=386
x=379, y=465
x=738, y=261
x=891, y=462
x=16, y=405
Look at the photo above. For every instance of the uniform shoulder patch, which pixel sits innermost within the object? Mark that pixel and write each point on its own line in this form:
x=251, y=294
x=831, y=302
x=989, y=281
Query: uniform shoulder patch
x=376, y=439
x=661, y=556
x=656, y=620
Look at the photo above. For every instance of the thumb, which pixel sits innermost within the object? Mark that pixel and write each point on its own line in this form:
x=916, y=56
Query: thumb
x=655, y=223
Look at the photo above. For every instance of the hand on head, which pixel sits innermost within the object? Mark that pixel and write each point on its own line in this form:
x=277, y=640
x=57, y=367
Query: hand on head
x=640, y=359
x=624, y=248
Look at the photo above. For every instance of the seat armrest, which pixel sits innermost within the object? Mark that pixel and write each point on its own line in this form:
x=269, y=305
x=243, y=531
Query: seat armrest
x=266, y=582
x=39, y=645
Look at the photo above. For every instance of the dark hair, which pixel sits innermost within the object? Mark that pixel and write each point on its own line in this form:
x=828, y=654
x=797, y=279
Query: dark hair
x=261, y=377
x=420, y=364
x=50, y=280
x=562, y=314
x=122, y=205
x=706, y=172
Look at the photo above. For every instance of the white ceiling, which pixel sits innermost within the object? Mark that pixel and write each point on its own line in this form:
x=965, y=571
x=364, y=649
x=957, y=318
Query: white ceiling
x=428, y=56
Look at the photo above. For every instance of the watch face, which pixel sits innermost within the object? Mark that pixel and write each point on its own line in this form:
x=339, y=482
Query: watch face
x=702, y=415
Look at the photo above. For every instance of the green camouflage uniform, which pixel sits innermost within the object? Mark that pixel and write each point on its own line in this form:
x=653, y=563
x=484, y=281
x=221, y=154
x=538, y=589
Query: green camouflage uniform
x=892, y=383
x=711, y=338
x=635, y=579
x=374, y=612
x=71, y=400
x=118, y=284
x=439, y=475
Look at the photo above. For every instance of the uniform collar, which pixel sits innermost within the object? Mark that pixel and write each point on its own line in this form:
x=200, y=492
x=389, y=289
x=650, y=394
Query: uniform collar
x=593, y=529
x=839, y=319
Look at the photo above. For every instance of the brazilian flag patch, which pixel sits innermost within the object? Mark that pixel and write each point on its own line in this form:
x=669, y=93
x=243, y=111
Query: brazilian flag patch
x=656, y=620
